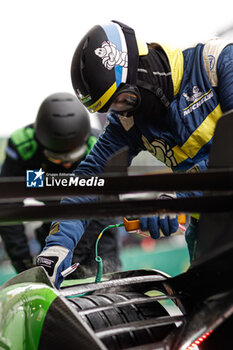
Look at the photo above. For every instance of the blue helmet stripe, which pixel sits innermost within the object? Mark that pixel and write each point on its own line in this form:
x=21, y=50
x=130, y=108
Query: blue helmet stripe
x=118, y=73
x=113, y=35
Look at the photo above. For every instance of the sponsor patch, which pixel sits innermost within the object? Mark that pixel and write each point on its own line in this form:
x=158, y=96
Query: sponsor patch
x=55, y=228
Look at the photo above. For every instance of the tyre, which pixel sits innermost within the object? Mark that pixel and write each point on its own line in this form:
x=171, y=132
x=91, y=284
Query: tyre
x=137, y=310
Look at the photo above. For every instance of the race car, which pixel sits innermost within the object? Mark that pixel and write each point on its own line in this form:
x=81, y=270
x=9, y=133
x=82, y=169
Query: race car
x=125, y=310
x=138, y=309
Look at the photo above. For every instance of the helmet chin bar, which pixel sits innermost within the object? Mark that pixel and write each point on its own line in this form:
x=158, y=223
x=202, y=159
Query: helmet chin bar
x=66, y=157
x=127, y=99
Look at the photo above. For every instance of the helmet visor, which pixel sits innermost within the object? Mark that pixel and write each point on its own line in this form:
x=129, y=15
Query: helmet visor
x=68, y=157
x=125, y=101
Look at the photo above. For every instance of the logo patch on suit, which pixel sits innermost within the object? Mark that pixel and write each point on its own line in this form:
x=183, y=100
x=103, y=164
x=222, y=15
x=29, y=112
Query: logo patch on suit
x=211, y=59
x=196, y=99
x=161, y=150
x=55, y=228
x=194, y=95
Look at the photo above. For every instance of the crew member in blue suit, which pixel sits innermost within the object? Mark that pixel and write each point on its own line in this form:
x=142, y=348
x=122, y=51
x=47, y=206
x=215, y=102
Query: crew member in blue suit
x=158, y=98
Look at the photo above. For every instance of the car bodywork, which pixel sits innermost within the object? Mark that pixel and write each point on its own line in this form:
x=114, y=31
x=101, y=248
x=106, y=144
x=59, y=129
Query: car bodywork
x=126, y=309
x=37, y=316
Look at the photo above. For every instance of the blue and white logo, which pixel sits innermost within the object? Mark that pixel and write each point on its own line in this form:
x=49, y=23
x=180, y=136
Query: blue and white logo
x=211, y=59
x=35, y=178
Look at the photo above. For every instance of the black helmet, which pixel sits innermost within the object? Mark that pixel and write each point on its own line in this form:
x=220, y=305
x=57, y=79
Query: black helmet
x=106, y=61
x=62, y=126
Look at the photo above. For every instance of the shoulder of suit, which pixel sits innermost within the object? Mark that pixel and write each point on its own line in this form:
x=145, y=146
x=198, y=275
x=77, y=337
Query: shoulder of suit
x=211, y=52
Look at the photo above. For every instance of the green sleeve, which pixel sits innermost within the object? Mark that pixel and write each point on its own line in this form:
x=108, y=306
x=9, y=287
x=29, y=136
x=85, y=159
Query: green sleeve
x=25, y=143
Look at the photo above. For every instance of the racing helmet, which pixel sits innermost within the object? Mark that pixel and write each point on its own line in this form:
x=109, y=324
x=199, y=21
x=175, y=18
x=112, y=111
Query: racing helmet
x=104, y=66
x=62, y=127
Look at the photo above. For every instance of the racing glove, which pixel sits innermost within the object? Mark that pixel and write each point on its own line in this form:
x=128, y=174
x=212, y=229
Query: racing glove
x=55, y=259
x=168, y=224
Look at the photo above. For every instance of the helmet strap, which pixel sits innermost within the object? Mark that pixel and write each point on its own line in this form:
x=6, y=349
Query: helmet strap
x=157, y=91
x=133, y=54
x=150, y=62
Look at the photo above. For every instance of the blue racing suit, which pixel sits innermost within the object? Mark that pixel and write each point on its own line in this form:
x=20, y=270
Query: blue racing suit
x=203, y=89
